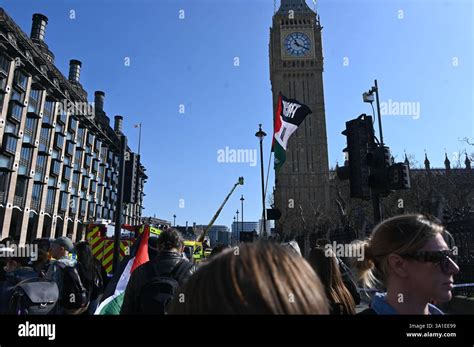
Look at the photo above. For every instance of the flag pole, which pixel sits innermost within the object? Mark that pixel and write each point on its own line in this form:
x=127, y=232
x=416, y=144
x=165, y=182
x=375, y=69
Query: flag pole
x=138, y=165
x=268, y=172
x=139, y=137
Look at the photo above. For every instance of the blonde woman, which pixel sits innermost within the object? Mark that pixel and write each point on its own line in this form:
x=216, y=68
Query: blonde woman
x=412, y=260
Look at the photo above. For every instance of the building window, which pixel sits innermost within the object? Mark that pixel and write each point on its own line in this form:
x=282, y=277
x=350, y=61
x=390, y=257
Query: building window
x=25, y=161
x=67, y=173
x=78, y=161
x=36, y=196
x=30, y=130
x=20, y=79
x=73, y=206
x=16, y=112
x=85, y=183
x=2, y=96
x=5, y=161
x=63, y=201
x=50, y=198
x=4, y=64
x=34, y=101
x=72, y=124
x=80, y=137
x=40, y=167
x=91, y=209
x=20, y=191
x=55, y=167
x=4, y=182
x=70, y=148
x=87, y=161
x=11, y=128
x=48, y=110
x=82, y=211
x=58, y=141
x=44, y=139
x=62, y=116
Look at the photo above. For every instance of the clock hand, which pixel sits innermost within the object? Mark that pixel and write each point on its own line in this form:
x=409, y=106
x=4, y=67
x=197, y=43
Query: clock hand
x=297, y=44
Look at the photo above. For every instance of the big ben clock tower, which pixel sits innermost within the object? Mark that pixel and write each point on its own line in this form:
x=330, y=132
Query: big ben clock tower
x=296, y=70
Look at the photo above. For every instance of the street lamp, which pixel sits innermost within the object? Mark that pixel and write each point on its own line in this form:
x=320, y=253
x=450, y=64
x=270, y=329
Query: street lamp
x=237, y=225
x=261, y=134
x=242, y=210
x=234, y=234
x=174, y=220
x=368, y=97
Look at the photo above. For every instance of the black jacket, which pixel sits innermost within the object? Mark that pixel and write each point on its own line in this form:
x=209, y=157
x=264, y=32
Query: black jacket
x=165, y=262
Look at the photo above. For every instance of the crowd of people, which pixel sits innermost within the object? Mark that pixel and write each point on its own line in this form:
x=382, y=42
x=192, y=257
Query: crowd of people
x=406, y=258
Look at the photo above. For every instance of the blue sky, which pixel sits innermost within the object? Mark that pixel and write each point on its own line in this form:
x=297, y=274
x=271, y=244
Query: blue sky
x=420, y=51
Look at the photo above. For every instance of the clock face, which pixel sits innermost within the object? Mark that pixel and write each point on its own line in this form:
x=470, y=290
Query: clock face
x=298, y=44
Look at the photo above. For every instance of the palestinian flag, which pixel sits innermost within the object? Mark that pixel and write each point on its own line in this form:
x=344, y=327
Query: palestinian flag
x=113, y=303
x=290, y=114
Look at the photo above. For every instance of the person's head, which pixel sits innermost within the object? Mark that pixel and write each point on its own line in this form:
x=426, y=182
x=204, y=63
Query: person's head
x=60, y=247
x=14, y=262
x=170, y=240
x=43, y=244
x=254, y=278
x=325, y=264
x=84, y=253
x=409, y=252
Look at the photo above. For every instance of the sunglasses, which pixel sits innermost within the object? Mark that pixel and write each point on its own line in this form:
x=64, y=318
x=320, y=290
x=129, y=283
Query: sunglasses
x=438, y=257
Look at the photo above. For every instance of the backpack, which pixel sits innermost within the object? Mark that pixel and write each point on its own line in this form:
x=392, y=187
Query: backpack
x=159, y=291
x=34, y=296
x=74, y=295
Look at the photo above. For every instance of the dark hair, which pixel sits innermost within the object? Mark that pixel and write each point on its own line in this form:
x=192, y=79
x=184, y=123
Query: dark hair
x=327, y=268
x=86, y=258
x=43, y=243
x=255, y=278
x=21, y=260
x=9, y=240
x=169, y=239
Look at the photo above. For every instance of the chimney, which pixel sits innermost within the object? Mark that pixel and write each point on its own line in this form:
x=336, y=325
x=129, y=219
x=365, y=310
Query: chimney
x=118, y=124
x=38, y=28
x=74, y=70
x=99, y=97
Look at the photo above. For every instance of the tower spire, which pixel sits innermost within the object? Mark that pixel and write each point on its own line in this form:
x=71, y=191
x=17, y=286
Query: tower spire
x=467, y=162
x=298, y=6
x=447, y=163
x=427, y=162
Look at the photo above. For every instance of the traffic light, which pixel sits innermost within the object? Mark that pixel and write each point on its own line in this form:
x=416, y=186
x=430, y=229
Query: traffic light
x=379, y=160
x=360, y=138
x=399, y=176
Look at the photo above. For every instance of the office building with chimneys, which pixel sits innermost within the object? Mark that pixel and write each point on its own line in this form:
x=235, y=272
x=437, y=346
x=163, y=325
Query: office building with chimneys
x=59, y=156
